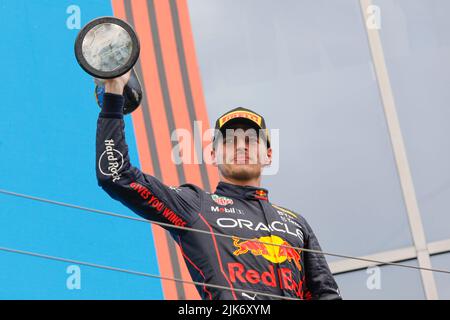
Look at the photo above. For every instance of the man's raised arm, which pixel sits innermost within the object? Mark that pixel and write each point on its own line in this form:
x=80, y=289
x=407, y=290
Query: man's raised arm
x=142, y=193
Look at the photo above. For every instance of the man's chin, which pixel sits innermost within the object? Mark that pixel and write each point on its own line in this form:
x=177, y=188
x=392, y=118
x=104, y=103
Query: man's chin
x=241, y=172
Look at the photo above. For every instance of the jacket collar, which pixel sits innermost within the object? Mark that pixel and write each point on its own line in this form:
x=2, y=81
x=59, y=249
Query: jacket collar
x=242, y=192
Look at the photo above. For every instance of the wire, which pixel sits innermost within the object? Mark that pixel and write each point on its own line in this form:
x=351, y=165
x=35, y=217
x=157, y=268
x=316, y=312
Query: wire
x=139, y=273
x=162, y=224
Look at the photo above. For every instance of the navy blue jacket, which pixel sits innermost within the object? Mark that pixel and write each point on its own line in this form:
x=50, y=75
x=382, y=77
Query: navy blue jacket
x=237, y=211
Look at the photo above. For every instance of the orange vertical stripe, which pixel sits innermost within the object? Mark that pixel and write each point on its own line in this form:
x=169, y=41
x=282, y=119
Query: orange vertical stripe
x=196, y=83
x=160, y=238
x=161, y=131
x=159, y=235
x=153, y=90
x=151, y=85
x=180, y=112
x=175, y=83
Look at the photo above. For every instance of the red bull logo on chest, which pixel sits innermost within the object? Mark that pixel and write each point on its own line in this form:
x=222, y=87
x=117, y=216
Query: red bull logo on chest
x=271, y=248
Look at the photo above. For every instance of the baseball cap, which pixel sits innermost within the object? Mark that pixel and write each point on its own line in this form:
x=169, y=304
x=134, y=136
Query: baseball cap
x=242, y=115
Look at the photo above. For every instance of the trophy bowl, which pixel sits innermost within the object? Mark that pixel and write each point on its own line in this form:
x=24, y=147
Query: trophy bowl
x=107, y=47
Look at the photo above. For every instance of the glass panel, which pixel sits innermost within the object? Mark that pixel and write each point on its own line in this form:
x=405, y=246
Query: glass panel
x=417, y=48
x=442, y=261
x=306, y=66
x=386, y=282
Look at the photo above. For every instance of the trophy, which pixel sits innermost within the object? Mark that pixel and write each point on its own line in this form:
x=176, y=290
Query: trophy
x=107, y=48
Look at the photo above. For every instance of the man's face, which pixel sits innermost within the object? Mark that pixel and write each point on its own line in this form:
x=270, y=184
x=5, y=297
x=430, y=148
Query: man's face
x=240, y=154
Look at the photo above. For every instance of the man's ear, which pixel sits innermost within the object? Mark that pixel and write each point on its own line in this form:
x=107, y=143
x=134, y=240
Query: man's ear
x=214, y=157
x=268, y=158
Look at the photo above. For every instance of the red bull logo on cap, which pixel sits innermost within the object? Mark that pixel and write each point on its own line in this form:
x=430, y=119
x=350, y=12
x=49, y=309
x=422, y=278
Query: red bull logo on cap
x=261, y=193
x=277, y=252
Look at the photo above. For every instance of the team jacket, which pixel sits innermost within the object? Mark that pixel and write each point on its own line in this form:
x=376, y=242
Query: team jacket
x=237, y=211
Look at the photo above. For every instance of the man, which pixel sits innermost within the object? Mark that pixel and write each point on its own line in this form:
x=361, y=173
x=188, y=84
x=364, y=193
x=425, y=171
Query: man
x=239, y=207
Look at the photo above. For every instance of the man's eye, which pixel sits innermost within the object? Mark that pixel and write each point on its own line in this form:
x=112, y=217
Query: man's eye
x=229, y=140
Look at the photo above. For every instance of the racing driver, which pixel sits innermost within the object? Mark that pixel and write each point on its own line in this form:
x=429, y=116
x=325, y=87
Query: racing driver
x=262, y=253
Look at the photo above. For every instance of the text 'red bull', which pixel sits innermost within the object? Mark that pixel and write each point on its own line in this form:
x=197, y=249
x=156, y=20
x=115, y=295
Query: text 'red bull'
x=238, y=273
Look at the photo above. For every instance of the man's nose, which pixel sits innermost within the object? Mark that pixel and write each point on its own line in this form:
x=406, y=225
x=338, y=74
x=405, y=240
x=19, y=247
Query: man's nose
x=242, y=144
